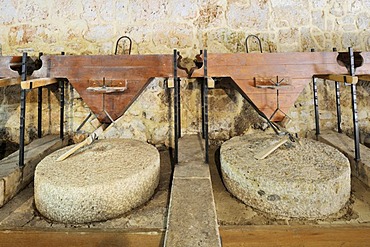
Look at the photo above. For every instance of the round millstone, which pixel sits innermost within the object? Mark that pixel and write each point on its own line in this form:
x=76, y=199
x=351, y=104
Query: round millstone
x=311, y=180
x=99, y=182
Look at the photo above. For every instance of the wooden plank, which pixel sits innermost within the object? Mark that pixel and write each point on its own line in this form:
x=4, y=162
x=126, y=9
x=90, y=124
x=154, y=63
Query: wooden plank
x=81, y=238
x=305, y=235
x=364, y=77
x=92, y=137
x=4, y=82
x=266, y=151
x=339, y=78
x=39, y=82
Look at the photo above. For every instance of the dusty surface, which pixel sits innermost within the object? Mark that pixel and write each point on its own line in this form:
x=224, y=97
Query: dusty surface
x=192, y=219
x=310, y=179
x=20, y=211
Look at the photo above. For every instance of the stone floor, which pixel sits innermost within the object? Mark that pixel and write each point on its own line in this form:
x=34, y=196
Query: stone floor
x=20, y=212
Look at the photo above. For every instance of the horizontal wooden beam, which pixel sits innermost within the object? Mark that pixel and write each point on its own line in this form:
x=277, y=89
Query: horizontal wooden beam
x=81, y=238
x=39, y=82
x=364, y=77
x=4, y=82
x=304, y=235
x=339, y=78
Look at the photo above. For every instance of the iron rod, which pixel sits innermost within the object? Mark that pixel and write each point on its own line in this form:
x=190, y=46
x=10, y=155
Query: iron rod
x=176, y=138
x=316, y=104
x=202, y=106
x=356, y=131
x=178, y=108
x=39, y=112
x=23, y=112
x=61, y=85
x=205, y=100
x=339, y=111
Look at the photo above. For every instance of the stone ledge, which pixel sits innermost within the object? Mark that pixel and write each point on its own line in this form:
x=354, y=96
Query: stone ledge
x=345, y=145
x=12, y=178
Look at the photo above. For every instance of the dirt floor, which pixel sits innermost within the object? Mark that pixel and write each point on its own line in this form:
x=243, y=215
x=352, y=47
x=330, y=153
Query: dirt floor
x=20, y=212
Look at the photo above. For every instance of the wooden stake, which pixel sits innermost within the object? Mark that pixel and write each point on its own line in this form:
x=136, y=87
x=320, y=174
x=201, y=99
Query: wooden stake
x=265, y=152
x=86, y=142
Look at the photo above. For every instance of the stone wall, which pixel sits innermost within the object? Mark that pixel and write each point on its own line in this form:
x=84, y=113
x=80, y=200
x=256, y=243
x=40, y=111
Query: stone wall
x=92, y=27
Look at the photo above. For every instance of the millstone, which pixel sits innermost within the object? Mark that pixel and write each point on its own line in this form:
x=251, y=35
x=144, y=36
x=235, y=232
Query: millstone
x=98, y=182
x=311, y=180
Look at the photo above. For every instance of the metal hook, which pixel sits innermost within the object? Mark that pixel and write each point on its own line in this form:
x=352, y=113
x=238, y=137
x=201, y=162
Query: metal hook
x=254, y=36
x=124, y=37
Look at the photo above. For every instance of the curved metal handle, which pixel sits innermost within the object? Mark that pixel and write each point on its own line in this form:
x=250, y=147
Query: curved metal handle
x=254, y=36
x=124, y=37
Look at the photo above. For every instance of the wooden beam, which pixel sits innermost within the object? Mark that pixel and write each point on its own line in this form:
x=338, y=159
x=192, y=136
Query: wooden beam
x=266, y=151
x=81, y=238
x=364, y=77
x=305, y=235
x=339, y=78
x=40, y=82
x=4, y=82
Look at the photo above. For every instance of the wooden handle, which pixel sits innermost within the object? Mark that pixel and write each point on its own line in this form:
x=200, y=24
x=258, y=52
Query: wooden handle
x=86, y=142
x=264, y=153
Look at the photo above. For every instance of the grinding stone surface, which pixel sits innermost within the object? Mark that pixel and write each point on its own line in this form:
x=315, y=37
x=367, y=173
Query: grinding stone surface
x=99, y=182
x=308, y=181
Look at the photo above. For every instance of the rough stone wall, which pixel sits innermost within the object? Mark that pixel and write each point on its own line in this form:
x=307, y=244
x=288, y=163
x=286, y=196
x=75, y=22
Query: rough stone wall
x=93, y=26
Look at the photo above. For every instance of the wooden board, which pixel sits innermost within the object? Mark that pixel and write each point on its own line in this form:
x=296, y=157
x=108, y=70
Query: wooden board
x=81, y=238
x=261, y=236
x=88, y=71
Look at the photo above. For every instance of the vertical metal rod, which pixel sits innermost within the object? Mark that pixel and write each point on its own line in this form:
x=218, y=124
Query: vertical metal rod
x=39, y=112
x=202, y=106
x=337, y=100
x=316, y=104
x=356, y=131
x=61, y=85
x=206, y=107
x=175, y=95
x=339, y=111
x=178, y=108
x=23, y=112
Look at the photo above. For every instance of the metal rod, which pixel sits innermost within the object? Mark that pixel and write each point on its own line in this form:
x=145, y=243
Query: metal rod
x=206, y=107
x=202, y=105
x=316, y=104
x=356, y=131
x=61, y=131
x=84, y=121
x=175, y=95
x=23, y=112
x=254, y=36
x=130, y=46
x=178, y=108
x=339, y=111
x=39, y=112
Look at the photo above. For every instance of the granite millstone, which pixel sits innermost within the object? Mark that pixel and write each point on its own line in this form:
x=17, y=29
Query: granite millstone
x=311, y=180
x=99, y=182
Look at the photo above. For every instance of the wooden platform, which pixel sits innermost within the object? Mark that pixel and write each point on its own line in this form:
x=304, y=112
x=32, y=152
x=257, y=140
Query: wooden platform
x=13, y=178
